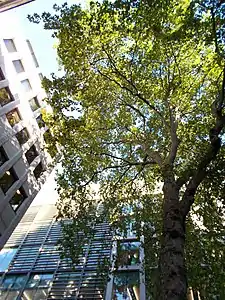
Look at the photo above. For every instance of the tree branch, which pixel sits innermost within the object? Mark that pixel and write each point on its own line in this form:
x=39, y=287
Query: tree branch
x=215, y=144
x=136, y=93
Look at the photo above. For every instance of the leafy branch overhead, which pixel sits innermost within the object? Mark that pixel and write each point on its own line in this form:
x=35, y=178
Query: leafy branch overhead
x=141, y=104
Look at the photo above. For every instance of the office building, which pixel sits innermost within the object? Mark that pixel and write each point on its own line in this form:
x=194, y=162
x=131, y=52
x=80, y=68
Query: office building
x=23, y=161
x=9, y=4
x=31, y=267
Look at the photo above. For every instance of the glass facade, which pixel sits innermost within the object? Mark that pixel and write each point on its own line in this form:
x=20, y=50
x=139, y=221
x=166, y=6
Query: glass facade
x=33, y=269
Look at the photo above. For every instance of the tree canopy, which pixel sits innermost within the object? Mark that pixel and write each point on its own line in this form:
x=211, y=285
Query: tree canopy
x=141, y=105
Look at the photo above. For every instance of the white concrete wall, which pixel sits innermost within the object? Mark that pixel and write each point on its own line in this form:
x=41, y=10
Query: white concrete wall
x=15, y=152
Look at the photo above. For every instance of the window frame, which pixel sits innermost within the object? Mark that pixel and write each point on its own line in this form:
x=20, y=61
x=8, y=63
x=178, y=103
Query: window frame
x=17, y=119
x=24, y=197
x=27, y=133
x=13, y=175
x=37, y=176
x=11, y=98
x=12, y=44
x=2, y=76
x=20, y=64
x=25, y=89
x=36, y=102
x=32, y=157
x=4, y=155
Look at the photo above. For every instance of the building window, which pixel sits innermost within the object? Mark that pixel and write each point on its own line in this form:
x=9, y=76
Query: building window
x=26, y=85
x=3, y=156
x=6, y=256
x=128, y=253
x=9, y=43
x=40, y=121
x=22, y=136
x=18, y=66
x=31, y=154
x=13, y=117
x=34, y=104
x=2, y=77
x=18, y=199
x=37, y=286
x=7, y=180
x=126, y=285
x=38, y=171
x=11, y=286
x=41, y=76
x=5, y=96
x=32, y=54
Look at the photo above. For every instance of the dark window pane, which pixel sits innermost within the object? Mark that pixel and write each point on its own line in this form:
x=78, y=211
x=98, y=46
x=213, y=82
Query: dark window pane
x=5, y=96
x=9, y=43
x=7, y=180
x=2, y=77
x=32, y=53
x=18, y=66
x=31, y=154
x=3, y=156
x=41, y=76
x=13, y=117
x=26, y=85
x=18, y=199
x=34, y=104
x=128, y=253
x=38, y=170
x=40, y=121
x=22, y=136
x=126, y=286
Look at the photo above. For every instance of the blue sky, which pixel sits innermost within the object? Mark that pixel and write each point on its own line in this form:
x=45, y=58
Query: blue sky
x=41, y=39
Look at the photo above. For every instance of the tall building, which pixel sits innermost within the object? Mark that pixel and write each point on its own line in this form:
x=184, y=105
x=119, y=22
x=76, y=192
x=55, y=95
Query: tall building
x=31, y=267
x=23, y=162
x=9, y=4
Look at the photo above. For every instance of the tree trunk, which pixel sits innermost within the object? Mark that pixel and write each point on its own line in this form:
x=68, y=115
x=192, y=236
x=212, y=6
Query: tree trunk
x=172, y=271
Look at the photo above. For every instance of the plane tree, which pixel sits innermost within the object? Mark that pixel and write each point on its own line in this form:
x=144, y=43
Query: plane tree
x=141, y=106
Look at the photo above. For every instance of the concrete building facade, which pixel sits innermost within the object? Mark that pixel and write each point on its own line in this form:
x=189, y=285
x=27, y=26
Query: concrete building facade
x=9, y=4
x=23, y=161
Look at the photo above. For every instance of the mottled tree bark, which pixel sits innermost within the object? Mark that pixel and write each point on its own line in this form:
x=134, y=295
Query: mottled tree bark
x=172, y=270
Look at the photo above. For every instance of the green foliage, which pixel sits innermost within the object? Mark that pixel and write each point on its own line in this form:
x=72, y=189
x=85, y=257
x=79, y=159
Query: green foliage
x=139, y=79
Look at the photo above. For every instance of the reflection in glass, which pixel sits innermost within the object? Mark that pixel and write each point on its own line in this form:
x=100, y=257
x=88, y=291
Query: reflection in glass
x=37, y=287
x=5, y=96
x=6, y=255
x=7, y=180
x=126, y=286
x=3, y=156
x=22, y=136
x=13, y=117
x=18, y=199
x=128, y=253
x=34, y=104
